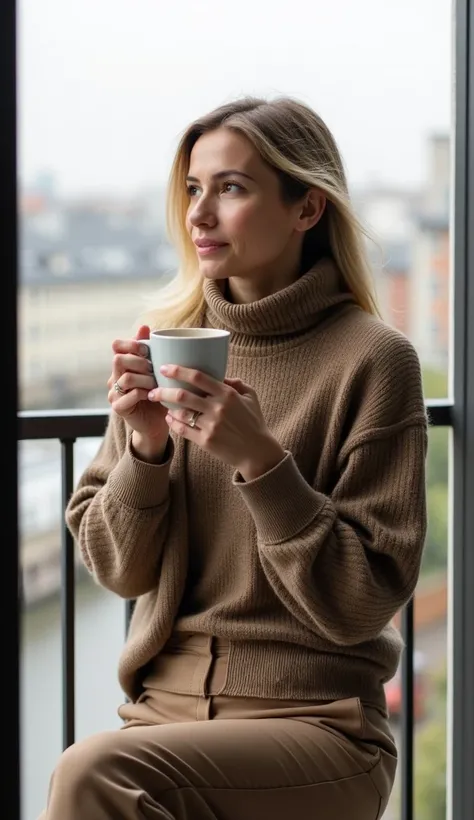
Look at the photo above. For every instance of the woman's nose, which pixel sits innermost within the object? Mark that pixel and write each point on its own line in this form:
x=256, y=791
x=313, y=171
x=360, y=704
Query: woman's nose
x=202, y=213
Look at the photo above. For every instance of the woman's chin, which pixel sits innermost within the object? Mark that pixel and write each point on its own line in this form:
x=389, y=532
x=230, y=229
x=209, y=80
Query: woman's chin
x=210, y=270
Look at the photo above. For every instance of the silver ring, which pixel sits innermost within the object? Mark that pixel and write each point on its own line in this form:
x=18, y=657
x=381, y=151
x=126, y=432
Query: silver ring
x=119, y=389
x=192, y=421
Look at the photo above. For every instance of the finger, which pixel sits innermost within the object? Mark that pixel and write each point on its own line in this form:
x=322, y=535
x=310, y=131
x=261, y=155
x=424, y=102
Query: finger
x=241, y=387
x=185, y=416
x=130, y=381
x=130, y=346
x=180, y=396
x=123, y=405
x=143, y=332
x=128, y=362
x=196, y=378
x=182, y=429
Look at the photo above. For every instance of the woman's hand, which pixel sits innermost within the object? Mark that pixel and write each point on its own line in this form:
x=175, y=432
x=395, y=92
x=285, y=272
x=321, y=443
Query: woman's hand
x=227, y=421
x=129, y=385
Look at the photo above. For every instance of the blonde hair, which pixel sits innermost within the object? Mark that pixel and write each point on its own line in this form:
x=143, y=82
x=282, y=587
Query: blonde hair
x=298, y=145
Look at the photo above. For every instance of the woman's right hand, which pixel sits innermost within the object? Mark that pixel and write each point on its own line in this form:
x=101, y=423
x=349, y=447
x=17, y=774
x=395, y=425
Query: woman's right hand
x=132, y=372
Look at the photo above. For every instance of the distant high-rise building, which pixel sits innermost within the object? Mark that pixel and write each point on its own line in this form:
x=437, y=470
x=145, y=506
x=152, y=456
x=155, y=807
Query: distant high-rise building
x=430, y=274
x=412, y=266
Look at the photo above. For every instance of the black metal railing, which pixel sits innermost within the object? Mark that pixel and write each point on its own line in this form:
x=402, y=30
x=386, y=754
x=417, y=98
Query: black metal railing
x=67, y=427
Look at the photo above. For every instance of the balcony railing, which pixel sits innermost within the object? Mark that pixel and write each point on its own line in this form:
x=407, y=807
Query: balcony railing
x=67, y=427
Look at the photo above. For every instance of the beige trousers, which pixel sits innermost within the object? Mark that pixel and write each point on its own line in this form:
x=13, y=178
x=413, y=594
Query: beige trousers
x=185, y=753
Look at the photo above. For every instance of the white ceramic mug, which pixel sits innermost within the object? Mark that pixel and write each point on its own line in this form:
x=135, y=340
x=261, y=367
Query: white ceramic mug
x=199, y=348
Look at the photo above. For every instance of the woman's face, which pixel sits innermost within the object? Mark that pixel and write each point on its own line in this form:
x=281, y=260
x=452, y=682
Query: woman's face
x=236, y=217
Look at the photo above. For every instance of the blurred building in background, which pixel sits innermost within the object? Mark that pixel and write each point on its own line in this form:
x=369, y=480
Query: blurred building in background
x=411, y=255
x=88, y=270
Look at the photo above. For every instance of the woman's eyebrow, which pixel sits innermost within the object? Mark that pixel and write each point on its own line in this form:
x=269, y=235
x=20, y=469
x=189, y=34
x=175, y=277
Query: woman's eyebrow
x=221, y=174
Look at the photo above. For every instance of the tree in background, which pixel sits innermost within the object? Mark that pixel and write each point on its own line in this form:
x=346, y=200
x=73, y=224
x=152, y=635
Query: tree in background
x=430, y=758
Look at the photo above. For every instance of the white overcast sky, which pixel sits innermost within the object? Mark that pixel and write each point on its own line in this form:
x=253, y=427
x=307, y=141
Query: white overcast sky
x=105, y=86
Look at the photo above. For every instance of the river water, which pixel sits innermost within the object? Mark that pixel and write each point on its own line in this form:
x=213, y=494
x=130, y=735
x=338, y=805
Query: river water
x=100, y=625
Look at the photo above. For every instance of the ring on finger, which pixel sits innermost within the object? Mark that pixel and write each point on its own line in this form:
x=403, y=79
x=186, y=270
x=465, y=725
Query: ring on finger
x=119, y=389
x=192, y=421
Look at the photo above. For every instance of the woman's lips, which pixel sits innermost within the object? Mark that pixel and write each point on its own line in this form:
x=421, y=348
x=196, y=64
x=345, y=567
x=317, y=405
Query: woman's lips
x=205, y=250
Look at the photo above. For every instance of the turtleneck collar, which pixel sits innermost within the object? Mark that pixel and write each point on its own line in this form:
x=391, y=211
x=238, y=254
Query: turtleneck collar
x=289, y=312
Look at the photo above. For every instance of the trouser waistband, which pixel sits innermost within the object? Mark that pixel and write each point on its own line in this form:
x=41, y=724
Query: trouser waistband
x=191, y=664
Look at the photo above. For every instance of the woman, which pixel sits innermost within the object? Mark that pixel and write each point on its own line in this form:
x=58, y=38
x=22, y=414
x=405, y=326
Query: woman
x=270, y=529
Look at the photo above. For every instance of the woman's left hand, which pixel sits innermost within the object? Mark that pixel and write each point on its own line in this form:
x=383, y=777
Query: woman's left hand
x=228, y=421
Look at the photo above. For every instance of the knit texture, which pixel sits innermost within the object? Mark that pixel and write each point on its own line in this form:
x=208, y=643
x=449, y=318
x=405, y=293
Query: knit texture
x=302, y=569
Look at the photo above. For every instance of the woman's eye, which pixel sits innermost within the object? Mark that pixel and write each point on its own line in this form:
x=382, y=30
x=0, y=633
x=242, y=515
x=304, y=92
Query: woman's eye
x=227, y=188
x=231, y=188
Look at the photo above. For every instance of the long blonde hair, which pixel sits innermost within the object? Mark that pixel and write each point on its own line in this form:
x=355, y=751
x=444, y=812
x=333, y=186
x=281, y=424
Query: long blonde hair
x=298, y=145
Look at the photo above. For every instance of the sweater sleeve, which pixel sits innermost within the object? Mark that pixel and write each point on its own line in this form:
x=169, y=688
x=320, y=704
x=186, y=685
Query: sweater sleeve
x=118, y=514
x=344, y=564
x=344, y=560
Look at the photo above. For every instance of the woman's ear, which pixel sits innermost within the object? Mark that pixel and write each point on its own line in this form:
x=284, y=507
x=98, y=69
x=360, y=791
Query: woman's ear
x=311, y=211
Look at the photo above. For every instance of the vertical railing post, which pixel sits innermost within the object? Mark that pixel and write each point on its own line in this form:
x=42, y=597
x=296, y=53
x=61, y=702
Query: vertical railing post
x=129, y=605
x=67, y=599
x=408, y=713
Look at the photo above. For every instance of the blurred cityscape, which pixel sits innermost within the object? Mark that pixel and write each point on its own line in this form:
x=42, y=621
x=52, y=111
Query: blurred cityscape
x=88, y=265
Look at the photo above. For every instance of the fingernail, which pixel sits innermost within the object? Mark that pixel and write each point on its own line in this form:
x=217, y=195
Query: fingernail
x=164, y=368
x=143, y=349
x=151, y=395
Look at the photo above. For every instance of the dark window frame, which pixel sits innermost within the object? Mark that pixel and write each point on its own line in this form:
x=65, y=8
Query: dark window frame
x=457, y=413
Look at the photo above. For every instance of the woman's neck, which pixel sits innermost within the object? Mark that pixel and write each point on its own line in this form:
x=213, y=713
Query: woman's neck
x=244, y=291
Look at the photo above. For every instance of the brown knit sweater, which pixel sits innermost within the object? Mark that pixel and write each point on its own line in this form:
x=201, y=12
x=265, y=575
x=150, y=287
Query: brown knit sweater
x=303, y=568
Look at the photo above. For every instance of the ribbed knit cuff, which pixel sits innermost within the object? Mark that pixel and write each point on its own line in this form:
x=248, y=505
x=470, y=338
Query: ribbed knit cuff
x=281, y=502
x=140, y=485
